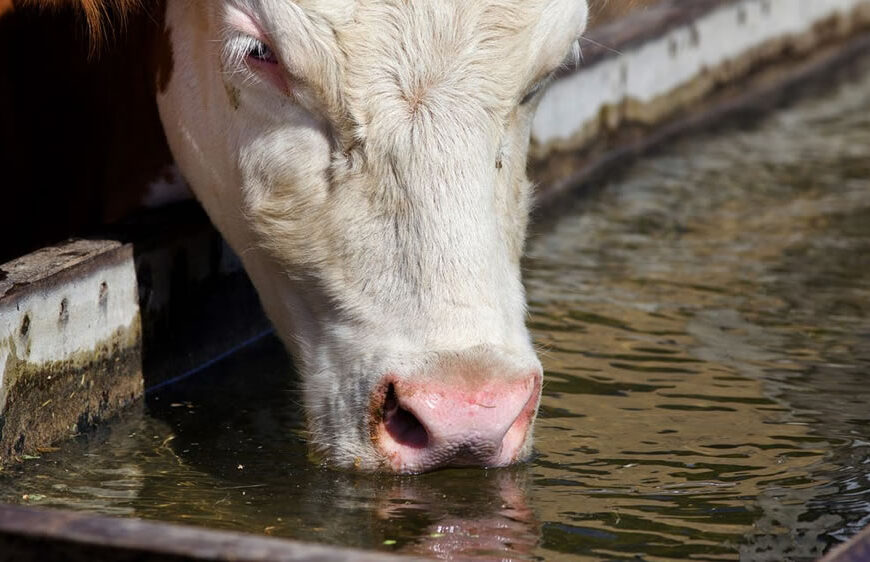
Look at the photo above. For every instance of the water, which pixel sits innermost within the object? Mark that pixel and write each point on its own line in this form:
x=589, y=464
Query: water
x=705, y=326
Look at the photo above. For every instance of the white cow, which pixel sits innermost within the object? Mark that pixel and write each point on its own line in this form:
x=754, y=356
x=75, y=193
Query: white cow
x=367, y=161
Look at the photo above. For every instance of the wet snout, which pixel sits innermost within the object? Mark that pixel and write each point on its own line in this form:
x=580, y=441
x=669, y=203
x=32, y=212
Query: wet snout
x=462, y=413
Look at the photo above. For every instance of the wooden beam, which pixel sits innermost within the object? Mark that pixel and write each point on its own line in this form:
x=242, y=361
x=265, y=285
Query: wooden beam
x=41, y=535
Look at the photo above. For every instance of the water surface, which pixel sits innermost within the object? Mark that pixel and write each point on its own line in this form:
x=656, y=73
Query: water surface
x=705, y=327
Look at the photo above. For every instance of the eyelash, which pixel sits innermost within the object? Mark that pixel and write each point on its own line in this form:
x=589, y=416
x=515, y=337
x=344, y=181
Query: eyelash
x=261, y=52
x=254, y=61
x=243, y=51
x=530, y=95
x=573, y=60
x=534, y=90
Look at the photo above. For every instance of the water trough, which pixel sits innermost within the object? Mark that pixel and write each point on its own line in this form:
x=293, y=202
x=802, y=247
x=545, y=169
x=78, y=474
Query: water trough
x=88, y=326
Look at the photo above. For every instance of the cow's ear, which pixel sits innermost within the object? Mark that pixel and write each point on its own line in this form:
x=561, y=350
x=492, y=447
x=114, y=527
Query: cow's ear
x=102, y=16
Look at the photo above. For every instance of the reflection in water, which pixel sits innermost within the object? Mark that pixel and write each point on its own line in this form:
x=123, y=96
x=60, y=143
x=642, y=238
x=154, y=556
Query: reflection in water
x=705, y=328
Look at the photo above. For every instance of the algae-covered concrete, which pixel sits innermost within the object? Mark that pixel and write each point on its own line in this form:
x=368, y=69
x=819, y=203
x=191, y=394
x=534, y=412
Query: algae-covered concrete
x=70, y=342
x=88, y=325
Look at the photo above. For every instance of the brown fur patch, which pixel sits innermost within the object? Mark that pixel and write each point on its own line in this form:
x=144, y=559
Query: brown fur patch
x=100, y=15
x=6, y=6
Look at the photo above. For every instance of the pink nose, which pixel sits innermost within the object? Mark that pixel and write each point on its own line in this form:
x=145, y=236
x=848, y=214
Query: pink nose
x=421, y=425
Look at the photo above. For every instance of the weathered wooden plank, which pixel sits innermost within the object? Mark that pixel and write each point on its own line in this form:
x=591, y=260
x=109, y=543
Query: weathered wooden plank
x=41, y=535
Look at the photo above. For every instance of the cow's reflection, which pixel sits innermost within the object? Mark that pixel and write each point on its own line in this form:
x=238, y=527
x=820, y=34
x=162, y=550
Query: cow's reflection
x=495, y=521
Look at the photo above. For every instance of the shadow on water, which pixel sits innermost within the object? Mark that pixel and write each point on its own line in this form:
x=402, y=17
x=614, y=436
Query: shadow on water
x=705, y=330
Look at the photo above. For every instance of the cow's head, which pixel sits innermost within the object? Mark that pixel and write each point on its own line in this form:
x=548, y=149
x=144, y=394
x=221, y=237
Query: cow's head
x=366, y=159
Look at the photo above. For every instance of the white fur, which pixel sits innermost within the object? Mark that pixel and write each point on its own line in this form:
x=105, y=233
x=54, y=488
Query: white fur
x=380, y=205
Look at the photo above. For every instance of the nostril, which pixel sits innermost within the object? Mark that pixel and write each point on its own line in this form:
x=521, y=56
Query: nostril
x=402, y=425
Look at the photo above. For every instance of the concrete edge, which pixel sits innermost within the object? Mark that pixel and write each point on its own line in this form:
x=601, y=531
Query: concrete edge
x=33, y=534
x=611, y=39
x=562, y=172
x=689, y=57
x=87, y=326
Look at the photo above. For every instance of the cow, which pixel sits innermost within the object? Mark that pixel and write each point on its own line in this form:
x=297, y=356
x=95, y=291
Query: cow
x=366, y=159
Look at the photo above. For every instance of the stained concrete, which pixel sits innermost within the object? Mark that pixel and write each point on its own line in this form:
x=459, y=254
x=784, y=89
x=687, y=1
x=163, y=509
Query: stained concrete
x=647, y=67
x=70, y=342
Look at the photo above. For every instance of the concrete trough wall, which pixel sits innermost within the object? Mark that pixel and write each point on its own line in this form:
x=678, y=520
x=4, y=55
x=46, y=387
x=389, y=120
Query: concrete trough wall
x=86, y=327
x=689, y=52
x=70, y=342
x=677, y=66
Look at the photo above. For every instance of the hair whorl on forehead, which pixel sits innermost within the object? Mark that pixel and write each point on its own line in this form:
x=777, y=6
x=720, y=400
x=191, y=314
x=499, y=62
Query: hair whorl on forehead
x=99, y=14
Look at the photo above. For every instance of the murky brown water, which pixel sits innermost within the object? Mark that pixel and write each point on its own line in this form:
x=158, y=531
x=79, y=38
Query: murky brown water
x=705, y=326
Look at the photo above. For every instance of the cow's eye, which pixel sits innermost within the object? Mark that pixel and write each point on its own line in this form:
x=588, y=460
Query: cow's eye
x=534, y=90
x=262, y=52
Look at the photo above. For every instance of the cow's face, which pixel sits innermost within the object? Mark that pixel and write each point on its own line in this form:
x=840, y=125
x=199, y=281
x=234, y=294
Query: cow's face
x=366, y=159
